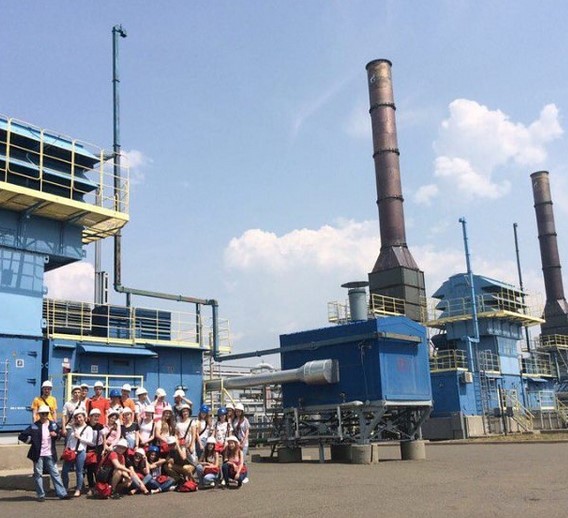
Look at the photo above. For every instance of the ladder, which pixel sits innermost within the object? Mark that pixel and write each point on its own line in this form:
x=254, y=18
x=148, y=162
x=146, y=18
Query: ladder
x=562, y=410
x=4, y=366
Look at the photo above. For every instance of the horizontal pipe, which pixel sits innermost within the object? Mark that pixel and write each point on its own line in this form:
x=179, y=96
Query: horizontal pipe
x=317, y=372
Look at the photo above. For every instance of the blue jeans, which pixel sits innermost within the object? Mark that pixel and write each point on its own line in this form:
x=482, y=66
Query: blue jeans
x=79, y=464
x=47, y=462
x=226, y=469
x=151, y=483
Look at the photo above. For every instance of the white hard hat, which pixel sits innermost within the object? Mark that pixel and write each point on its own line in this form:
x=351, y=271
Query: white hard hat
x=239, y=406
x=127, y=410
x=126, y=387
x=99, y=384
x=112, y=411
x=79, y=411
x=95, y=411
x=167, y=408
x=171, y=439
x=47, y=383
x=121, y=442
x=184, y=407
x=160, y=392
x=75, y=387
x=150, y=409
x=85, y=385
x=44, y=409
x=179, y=393
x=211, y=440
x=140, y=451
x=232, y=438
x=140, y=391
x=230, y=406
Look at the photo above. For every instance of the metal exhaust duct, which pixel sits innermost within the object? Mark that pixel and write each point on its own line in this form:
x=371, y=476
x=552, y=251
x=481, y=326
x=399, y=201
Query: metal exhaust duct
x=317, y=372
x=395, y=273
x=556, y=307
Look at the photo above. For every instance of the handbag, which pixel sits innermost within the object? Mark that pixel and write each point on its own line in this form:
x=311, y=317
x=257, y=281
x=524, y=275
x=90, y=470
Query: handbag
x=219, y=447
x=161, y=479
x=68, y=455
x=187, y=487
x=211, y=470
x=91, y=457
x=103, y=490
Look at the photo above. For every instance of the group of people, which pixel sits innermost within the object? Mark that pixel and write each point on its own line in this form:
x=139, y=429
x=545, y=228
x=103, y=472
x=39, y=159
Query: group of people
x=130, y=446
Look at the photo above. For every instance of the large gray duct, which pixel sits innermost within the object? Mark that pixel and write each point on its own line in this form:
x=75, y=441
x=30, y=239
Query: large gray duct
x=556, y=308
x=317, y=372
x=395, y=273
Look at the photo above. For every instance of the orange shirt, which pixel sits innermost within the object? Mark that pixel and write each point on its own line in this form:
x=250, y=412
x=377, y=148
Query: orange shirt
x=103, y=404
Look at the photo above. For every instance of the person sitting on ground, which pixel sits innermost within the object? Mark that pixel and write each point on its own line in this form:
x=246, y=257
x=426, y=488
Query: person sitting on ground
x=155, y=480
x=139, y=469
x=100, y=402
x=159, y=403
x=166, y=427
x=45, y=398
x=201, y=429
x=141, y=403
x=114, y=430
x=42, y=436
x=177, y=464
x=130, y=429
x=208, y=469
x=147, y=432
x=95, y=451
x=179, y=401
x=120, y=477
x=241, y=427
x=184, y=431
x=222, y=429
x=68, y=408
x=125, y=400
x=78, y=438
x=233, y=469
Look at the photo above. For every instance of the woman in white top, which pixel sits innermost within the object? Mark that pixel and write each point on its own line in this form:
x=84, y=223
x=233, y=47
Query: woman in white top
x=222, y=430
x=184, y=431
x=201, y=429
x=75, y=403
x=141, y=403
x=78, y=438
x=147, y=427
x=241, y=428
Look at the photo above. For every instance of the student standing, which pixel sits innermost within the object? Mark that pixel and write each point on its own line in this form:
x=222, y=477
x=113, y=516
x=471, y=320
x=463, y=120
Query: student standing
x=78, y=438
x=45, y=399
x=100, y=402
x=42, y=436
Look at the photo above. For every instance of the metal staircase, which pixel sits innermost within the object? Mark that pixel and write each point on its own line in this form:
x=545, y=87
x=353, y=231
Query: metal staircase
x=4, y=366
x=521, y=415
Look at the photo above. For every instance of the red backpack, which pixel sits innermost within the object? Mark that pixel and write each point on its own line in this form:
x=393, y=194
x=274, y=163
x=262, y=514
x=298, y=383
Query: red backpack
x=187, y=487
x=102, y=490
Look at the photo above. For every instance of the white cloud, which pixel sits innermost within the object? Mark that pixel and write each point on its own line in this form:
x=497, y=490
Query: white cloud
x=474, y=142
x=358, y=124
x=72, y=282
x=426, y=193
x=137, y=162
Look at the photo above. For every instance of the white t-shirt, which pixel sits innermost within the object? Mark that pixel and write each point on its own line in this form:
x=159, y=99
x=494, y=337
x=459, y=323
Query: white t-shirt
x=86, y=437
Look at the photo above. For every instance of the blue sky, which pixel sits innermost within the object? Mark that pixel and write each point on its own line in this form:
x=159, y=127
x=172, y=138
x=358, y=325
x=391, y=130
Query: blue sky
x=248, y=127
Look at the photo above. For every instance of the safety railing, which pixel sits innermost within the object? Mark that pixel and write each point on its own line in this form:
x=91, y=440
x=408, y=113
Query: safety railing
x=110, y=381
x=52, y=163
x=338, y=312
x=537, y=364
x=448, y=360
x=553, y=342
x=562, y=410
x=522, y=415
x=541, y=399
x=382, y=305
x=488, y=361
x=130, y=325
x=503, y=304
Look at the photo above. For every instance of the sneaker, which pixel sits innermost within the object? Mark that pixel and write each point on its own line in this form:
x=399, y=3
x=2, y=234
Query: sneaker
x=245, y=480
x=223, y=482
x=40, y=498
x=116, y=496
x=66, y=497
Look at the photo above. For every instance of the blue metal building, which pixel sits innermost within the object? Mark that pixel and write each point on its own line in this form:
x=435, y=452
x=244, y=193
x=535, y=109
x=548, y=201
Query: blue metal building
x=57, y=195
x=489, y=385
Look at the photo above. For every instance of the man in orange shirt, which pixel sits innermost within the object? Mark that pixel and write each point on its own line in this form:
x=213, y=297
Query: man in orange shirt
x=100, y=402
x=125, y=400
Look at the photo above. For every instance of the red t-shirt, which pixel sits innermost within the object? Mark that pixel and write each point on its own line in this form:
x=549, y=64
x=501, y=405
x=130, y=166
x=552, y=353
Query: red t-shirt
x=114, y=456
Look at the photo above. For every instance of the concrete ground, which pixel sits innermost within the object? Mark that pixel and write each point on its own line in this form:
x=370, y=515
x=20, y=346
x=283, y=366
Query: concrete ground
x=457, y=480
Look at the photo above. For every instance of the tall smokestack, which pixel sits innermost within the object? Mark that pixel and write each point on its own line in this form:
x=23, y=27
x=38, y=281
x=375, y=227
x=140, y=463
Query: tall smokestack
x=395, y=273
x=556, y=308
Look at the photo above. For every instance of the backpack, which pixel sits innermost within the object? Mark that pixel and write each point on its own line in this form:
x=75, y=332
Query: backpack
x=187, y=487
x=103, y=490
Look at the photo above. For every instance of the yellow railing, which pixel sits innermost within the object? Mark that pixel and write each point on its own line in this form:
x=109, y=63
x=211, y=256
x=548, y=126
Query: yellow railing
x=338, y=312
x=110, y=381
x=383, y=305
x=522, y=415
x=448, y=360
x=538, y=364
x=553, y=342
x=488, y=361
x=562, y=410
x=130, y=325
x=502, y=304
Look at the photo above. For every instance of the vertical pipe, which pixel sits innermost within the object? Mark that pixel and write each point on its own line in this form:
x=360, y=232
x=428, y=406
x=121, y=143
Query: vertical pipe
x=518, y=256
x=215, y=308
x=117, y=31
x=472, y=295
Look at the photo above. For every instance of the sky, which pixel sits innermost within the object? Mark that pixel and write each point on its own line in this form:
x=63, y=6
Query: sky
x=248, y=135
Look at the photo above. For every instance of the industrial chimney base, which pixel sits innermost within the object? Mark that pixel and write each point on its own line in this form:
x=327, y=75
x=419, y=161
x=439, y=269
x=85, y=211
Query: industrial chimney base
x=413, y=450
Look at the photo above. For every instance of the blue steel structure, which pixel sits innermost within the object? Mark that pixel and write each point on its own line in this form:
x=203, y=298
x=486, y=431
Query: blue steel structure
x=56, y=196
x=383, y=390
x=500, y=384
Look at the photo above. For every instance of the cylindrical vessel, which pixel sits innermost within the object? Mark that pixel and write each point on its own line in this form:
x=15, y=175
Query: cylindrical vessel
x=358, y=304
x=386, y=153
x=317, y=372
x=551, y=269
